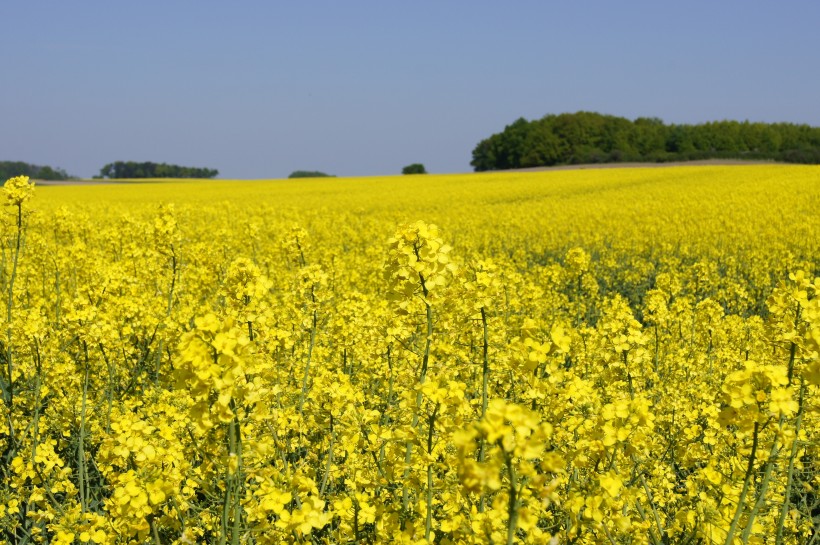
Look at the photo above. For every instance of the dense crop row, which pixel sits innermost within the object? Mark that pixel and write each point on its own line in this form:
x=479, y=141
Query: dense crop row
x=625, y=356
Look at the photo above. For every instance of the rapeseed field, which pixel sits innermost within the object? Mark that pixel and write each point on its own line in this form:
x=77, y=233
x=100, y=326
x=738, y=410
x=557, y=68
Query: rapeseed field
x=621, y=356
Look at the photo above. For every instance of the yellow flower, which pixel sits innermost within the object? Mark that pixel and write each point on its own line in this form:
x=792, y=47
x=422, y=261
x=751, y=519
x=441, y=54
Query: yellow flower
x=18, y=190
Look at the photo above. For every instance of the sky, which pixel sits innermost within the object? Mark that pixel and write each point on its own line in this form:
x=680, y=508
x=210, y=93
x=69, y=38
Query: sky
x=258, y=89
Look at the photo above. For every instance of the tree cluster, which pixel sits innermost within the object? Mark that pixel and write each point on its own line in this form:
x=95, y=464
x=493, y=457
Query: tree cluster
x=131, y=169
x=309, y=174
x=9, y=169
x=589, y=137
x=415, y=168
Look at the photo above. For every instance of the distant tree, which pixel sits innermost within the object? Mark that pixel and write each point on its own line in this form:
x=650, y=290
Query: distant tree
x=484, y=156
x=415, y=168
x=590, y=137
x=9, y=169
x=131, y=169
x=309, y=174
x=542, y=148
x=649, y=138
x=679, y=140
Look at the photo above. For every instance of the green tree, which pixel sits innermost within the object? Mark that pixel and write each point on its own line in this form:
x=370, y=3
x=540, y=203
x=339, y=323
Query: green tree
x=131, y=169
x=590, y=137
x=9, y=169
x=415, y=168
x=309, y=174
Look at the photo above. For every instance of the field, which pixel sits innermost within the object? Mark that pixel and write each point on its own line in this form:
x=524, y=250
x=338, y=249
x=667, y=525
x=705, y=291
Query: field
x=620, y=356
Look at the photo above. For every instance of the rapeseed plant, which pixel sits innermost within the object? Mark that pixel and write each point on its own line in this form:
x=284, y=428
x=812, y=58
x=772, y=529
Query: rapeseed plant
x=621, y=356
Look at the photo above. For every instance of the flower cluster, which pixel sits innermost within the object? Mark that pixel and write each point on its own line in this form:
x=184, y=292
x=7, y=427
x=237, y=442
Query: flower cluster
x=619, y=357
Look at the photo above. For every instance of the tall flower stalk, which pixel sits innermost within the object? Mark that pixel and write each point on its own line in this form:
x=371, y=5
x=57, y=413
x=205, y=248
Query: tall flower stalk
x=17, y=190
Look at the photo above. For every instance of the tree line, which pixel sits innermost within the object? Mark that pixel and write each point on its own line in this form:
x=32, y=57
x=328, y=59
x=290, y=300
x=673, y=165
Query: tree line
x=590, y=137
x=132, y=169
x=9, y=169
x=310, y=174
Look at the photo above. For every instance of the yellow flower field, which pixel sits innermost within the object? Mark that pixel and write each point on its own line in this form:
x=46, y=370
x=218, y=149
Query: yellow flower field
x=621, y=356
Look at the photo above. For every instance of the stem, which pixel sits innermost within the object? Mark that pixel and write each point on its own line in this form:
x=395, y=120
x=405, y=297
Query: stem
x=158, y=359
x=173, y=280
x=408, y=454
x=790, y=475
x=578, y=289
x=430, y=429
x=82, y=473
x=746, y=482
x=355, y=520
x=223, y=535
x=169, y=307
x=329, y=459
x=109, y=393
x=628, y=375
x=485, y=374
x=387, y=405
x=655, y=516
x=37, y=401
x=247, y=301
x=608, y=535
x=512, y=506
x=426, y=358
x=234, y=481
x=9, y=392
x=656, y=359
x=764, y=486
x=485, y=370
x=793, y=347
x=57, y=296
x=155, y=531
x=307, y=363
x=238, y=481
x=302, y=261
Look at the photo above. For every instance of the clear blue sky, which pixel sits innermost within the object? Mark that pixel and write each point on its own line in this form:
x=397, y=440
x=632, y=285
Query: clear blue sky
x=258, y=89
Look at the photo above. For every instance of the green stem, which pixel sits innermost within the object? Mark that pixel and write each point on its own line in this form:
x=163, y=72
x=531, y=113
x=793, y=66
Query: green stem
x=430, y=430
x=429, y=311
x=790, y=474
x=169, y=307
x=764, y=486
x=306, y=374
x=387, y=404
x=109, y=393
x=226, y=500
x=608, y=535
x=485, y=374
x=173, y=281
x=746, y=483
x=485, y=370
x=82, y=471
x=57, y=296
x=512, y=505
x=793, y=348
x=38, y=381
x=655, y=516
x=329, y=459
x=155, y=531
x=656, y=358
x=9, y=391
x=408, y=454
x=238, y=479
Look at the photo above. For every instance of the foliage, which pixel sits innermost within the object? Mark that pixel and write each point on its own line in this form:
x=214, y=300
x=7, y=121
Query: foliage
x=131, y=169
x=415, y=168
x=9, y=169
x=588, y=137
x=309, y=174
x=621, y=356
